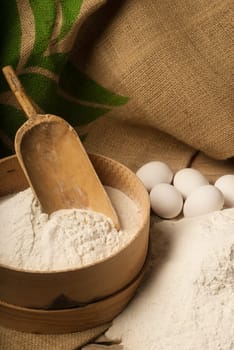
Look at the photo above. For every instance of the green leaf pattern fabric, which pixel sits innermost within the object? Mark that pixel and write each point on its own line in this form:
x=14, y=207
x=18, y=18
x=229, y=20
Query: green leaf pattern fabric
x=36, y=41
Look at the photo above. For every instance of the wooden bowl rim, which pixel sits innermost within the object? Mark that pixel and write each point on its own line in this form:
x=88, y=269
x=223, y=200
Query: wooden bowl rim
x=143, y=222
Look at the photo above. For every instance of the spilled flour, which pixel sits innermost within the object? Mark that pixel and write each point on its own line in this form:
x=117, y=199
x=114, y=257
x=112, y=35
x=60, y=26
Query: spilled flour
x=69, y=238
x=187, y=299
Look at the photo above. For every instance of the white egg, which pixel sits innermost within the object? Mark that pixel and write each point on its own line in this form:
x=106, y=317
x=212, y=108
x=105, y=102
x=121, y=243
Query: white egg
x=187, y=180
x=226, y=185
x=203, y=200
x=153, y=173
x=166, y=201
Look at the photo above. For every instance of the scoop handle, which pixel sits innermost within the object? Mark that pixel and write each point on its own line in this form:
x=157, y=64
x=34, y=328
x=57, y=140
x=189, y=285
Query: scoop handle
x=19, y=92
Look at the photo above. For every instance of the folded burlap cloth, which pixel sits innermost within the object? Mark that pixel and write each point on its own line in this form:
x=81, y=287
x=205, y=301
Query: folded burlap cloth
x=141, y=80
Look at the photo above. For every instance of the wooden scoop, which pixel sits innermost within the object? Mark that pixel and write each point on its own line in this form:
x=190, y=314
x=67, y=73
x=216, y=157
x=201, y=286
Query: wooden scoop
x=55, y=162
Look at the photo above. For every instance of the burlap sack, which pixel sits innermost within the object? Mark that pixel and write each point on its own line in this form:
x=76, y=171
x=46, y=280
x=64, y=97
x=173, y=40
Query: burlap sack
x=13, y=340
x=173, y=60
x=148, y=69
x=141, y=80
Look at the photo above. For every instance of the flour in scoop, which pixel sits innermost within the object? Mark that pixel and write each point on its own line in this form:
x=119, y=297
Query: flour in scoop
x=187, y=301
x=68, y=238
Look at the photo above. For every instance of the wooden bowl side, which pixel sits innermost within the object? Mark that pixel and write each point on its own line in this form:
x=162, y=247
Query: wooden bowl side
x=12, y=178
x=68, y=320
x=114, y=173
x=90, y=283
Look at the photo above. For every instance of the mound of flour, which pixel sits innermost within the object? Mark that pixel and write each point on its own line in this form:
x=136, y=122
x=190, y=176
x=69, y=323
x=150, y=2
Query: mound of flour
x=69, y=238
x=187, y=300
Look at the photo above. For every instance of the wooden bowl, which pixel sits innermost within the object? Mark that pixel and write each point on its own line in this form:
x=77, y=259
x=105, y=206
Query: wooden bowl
x=88, y=284
x=68, y=320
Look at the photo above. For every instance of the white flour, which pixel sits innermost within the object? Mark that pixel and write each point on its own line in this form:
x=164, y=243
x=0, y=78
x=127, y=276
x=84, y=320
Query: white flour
x=69, y=238
x=187, y=301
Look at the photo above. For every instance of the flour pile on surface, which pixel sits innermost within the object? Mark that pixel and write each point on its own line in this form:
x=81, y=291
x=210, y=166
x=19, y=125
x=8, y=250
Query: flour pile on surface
x=68, y=238
x=187, y=300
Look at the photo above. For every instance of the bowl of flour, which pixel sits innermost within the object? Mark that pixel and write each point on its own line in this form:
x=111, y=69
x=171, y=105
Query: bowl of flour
x=72, y=257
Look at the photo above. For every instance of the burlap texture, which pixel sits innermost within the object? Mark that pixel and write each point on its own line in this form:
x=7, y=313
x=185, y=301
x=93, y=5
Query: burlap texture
x=173, y=61
x=133, y=145
x=13, y=340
